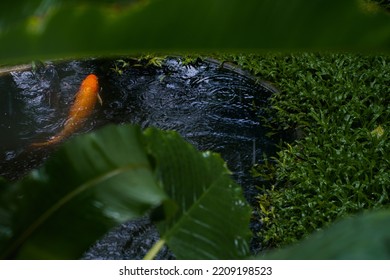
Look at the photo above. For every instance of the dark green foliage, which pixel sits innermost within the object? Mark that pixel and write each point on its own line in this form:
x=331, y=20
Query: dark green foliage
x=336, y=107
x=99, y=180
x=88, y=187
x=364, y=237
x=103, y=27
x=208, y=202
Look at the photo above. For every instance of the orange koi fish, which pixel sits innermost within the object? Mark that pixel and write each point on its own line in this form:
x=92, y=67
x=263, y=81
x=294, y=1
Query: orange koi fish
x=81, y=109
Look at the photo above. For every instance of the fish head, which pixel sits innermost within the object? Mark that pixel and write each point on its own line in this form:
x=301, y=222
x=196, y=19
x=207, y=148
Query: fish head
x=91, y=82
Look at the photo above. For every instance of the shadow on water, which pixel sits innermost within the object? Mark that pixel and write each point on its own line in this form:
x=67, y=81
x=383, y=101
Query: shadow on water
x=213, y=107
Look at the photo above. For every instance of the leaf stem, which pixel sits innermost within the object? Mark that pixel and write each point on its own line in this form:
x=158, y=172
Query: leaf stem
x=151, y=254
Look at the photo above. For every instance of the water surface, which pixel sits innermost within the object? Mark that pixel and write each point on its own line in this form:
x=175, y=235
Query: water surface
x=212, y=106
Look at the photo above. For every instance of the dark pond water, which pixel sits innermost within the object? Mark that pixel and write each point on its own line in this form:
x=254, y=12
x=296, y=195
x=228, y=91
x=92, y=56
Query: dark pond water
x=213, y=106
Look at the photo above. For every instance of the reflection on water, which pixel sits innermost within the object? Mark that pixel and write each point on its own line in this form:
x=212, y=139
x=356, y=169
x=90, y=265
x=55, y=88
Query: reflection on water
x=213, y=107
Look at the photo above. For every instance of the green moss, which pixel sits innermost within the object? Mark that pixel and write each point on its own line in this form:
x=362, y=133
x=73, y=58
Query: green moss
x=336, y=108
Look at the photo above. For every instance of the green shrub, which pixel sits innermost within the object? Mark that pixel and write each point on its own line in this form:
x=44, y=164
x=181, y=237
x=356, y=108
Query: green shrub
x=335, y=106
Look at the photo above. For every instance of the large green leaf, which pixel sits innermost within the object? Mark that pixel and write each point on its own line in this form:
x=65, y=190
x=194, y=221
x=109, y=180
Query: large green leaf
x=363, y=237
x=212, y=217
x=36, y=29
x=102, y=179
x=92, y=183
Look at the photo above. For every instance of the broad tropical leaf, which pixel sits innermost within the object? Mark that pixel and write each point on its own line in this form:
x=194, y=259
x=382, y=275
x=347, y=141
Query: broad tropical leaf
x=210, y=219
x=363, y=237
x=102, y=179
x=93, y=183
x=114, y=27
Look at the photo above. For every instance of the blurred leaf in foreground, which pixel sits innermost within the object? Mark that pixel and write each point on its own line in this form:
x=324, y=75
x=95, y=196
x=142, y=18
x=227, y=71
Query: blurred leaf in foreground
x=97, y=28
x=210, y=219
x=99, y=180
x=92, y=184
x=363, y=237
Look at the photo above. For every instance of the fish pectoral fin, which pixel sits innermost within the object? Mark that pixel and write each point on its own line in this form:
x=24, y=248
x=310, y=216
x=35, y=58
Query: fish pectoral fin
x=99, y=98
x=68, y=122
